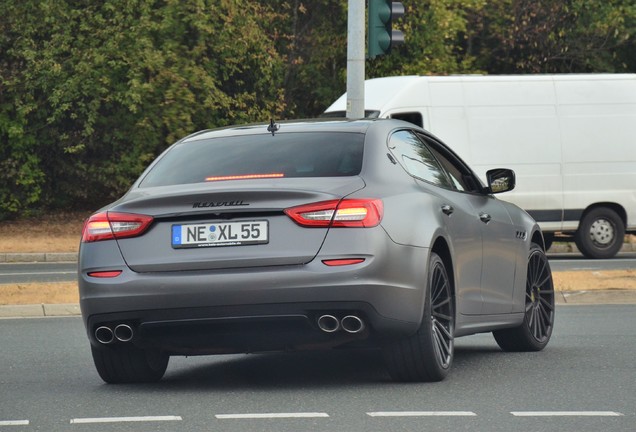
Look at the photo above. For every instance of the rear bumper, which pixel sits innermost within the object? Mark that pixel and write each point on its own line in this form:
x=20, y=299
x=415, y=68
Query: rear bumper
x=255, y=309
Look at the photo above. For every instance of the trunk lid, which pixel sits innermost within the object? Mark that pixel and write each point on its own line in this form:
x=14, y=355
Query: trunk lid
x=227, y=211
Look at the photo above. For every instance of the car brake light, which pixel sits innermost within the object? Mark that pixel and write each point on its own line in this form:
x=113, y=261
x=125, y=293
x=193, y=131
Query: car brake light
x=342, y=262
x=352, y=213
x=105, y=274
x=112, y=225
x=245, y=177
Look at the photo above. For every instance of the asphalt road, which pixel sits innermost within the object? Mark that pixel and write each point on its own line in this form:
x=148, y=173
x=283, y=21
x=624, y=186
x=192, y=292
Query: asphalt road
x=37, y=272
x=571, y=261
x=67, y=271
x=584, y=381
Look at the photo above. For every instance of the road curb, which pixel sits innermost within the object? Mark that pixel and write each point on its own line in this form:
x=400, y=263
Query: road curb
x=33, y=257
x=39, y=310
x=608, y=296
x=570, y=247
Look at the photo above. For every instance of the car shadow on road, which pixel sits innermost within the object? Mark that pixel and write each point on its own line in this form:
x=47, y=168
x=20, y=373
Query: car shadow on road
x=299, y=370
x=279, y=370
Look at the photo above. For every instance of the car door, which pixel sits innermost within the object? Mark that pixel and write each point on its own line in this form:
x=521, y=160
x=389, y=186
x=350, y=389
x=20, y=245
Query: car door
x=498, y=235
x=458, y=216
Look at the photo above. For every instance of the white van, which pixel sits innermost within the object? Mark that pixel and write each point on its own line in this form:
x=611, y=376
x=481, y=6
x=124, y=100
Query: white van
x=571, y=140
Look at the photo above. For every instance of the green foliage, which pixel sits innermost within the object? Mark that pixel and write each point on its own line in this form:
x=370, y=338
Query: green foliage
x=529, y=36
x=91, y=92
x=311, y=36
x=433, y=32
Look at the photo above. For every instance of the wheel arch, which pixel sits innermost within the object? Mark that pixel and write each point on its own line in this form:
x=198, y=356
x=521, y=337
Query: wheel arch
x=537, y=237
x=619, y=209
x=441, y=248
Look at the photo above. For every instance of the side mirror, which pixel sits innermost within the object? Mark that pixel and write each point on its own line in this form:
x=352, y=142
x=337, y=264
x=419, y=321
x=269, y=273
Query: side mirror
x=500, y=180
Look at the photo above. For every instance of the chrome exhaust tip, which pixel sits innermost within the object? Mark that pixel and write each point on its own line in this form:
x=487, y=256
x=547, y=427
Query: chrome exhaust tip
x=104, y=335
x=328, y=323
x=352, y=324
x=123, y=333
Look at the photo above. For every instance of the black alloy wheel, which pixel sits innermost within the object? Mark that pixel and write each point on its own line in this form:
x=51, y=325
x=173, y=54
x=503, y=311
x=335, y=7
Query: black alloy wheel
x=442, y=316
x=535, y=331
x=428, y=354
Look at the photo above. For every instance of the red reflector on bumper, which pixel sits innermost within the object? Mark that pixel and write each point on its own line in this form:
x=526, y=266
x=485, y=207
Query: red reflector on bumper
x=105, y=274
x=342, y=262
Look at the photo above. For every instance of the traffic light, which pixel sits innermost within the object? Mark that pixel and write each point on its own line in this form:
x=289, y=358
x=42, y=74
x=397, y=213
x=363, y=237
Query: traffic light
x=382, y=37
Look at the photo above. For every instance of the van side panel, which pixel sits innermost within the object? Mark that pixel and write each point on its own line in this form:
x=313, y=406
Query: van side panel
x=502, y=122
x=598, y=122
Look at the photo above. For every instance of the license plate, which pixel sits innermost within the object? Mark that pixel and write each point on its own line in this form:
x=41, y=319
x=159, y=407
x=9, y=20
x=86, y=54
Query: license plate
x=220, y=234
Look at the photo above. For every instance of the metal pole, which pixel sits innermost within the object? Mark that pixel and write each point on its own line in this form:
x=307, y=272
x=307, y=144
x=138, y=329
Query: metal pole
x=355, y=59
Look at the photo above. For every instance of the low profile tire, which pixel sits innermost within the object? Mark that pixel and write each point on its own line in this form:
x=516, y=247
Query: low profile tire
x=428, y=354
x=128, y=364
x=600, y=234
x=535, y=331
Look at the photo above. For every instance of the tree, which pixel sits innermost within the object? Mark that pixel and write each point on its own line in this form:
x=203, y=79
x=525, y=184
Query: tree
x=92, y=91
x=434, y=31
x=524, y=36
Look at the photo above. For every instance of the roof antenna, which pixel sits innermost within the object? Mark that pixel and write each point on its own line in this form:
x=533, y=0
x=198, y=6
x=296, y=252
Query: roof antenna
x=273, y=127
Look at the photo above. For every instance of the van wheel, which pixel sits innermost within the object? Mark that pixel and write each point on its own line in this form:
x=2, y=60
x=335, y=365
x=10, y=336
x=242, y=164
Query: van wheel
x=428, y=354
x=600, y=234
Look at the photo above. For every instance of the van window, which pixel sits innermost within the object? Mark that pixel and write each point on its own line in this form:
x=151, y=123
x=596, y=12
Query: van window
x=412, y=117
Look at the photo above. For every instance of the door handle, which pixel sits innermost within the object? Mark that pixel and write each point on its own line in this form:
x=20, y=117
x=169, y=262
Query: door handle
x=447, y=209
x=485, y=217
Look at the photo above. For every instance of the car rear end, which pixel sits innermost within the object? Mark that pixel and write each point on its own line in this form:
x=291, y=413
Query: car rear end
x=243, y=240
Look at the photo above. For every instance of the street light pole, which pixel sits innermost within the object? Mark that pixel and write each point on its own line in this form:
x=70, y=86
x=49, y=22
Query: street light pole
x=355, y=59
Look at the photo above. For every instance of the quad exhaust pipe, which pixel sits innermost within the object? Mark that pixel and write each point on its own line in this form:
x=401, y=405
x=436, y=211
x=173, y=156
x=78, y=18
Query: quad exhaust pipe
x=122, y=333
x=104, y=335
x=328, y=323
x=350, y=324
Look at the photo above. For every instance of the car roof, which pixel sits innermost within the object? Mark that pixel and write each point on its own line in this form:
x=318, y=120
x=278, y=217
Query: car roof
x=297, y=126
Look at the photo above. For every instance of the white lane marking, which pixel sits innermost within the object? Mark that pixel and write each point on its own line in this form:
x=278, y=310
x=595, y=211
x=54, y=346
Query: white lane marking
x=422, y=414
x=272, y=415
x=565, y=413
x=124, y=419
x=14, y=422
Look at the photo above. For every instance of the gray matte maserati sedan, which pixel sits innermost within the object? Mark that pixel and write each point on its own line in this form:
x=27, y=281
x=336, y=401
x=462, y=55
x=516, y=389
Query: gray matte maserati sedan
x=311, y=235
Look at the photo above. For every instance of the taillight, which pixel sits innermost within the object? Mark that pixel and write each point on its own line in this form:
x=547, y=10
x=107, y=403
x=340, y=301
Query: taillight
x=111, y=225
x=352, y=213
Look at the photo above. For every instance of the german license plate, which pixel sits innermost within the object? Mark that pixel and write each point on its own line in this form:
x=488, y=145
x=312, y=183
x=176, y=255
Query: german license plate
x=220, y=234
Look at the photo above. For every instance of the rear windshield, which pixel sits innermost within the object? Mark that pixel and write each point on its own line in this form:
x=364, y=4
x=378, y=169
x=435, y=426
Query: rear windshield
x=330, y=154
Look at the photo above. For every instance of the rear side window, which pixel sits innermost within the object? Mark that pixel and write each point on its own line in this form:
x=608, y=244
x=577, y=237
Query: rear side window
x=417, y=159
x=324, y=154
